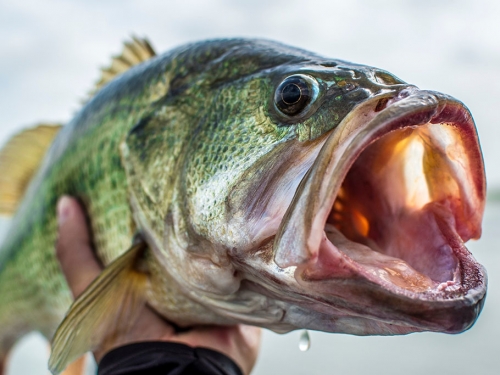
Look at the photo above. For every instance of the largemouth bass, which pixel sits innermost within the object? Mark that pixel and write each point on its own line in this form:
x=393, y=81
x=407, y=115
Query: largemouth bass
x=264, y=185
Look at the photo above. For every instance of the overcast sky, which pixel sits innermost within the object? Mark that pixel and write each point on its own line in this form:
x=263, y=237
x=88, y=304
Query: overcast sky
x=51, y=51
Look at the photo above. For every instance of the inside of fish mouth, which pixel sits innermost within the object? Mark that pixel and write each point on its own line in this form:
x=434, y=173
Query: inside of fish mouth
x=394, y=213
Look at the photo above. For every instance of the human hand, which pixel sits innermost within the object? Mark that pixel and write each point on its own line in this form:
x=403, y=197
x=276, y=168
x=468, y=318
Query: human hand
x=80, y=267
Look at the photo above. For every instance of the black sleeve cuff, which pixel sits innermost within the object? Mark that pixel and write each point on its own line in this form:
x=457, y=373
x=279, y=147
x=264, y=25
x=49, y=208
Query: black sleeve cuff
x=165, y=358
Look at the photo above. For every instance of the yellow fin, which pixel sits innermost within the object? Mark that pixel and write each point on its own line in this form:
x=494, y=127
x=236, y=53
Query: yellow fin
x=20, y=158
x=107, y=308
x=134, y=52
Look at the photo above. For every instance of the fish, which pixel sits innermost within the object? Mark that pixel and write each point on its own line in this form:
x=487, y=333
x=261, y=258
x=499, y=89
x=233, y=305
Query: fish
x=246, y=181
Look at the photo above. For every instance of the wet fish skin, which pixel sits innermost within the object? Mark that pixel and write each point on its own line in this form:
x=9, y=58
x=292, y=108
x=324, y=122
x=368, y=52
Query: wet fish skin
x=85, y=162
x=181, y=149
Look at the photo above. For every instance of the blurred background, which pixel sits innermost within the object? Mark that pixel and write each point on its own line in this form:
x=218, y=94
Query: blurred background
x=51, y=51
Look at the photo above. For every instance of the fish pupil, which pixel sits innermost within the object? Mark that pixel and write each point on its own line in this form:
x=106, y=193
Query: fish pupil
x=291, y=94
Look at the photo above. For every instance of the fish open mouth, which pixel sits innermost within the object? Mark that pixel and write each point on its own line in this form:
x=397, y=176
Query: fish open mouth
x=395, y=214
x=386, y=210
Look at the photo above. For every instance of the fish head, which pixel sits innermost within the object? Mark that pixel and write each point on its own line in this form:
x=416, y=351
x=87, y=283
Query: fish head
x=379, y=226
x=332, y=196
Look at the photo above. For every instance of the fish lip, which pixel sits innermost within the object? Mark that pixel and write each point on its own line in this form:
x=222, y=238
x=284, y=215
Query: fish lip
x=315, y=198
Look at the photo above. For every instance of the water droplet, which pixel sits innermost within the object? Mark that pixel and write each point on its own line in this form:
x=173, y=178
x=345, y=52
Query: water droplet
x=304, y=341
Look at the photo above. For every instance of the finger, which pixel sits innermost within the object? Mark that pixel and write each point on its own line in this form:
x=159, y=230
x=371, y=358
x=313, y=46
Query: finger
x=73, y=247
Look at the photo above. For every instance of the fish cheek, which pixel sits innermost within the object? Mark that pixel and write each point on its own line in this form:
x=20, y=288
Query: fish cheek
x=264, y=192
x=236, y=132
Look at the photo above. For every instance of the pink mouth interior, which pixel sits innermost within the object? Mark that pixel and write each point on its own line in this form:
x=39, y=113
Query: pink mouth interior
x=394, y=220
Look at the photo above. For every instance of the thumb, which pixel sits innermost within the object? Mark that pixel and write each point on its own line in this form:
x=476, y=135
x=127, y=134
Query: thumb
x=73, y=247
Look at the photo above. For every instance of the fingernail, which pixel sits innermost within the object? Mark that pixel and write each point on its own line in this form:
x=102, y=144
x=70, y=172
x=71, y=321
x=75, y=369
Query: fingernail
x=63, y=210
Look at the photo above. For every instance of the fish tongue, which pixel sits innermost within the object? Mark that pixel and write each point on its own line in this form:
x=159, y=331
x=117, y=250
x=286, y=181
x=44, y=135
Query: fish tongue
x=418, y=253
x=340, y=258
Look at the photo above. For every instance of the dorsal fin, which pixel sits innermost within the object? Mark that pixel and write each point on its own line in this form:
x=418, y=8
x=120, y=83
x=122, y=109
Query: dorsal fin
x=134, y=52
x=19, y=160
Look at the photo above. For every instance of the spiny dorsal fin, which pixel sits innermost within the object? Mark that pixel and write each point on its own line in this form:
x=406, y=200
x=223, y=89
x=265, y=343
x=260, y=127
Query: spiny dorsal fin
x=107, y=308
x=20, y=158
x=134, y=52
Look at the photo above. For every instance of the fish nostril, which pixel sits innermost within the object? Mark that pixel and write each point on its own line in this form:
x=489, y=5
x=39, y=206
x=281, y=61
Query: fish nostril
x=349, y=86
x=382, y=104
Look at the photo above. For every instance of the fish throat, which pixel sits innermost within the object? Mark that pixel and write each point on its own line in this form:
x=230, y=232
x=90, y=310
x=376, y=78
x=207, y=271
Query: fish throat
x=395, y=212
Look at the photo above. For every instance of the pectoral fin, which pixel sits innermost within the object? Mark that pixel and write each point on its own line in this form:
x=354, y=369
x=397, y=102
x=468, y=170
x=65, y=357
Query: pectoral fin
x=107, y=308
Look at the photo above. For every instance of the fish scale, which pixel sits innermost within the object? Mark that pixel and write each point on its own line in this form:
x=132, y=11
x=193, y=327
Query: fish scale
x=88, y=167
x=31, y=241
x=228, y=191
x=85, y=162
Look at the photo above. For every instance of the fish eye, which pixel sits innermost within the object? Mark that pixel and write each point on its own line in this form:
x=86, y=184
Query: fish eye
x=295, y=93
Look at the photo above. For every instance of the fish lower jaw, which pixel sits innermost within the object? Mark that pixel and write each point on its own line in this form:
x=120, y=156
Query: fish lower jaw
x=386, y=295
x=442, y=290
x=340, y=258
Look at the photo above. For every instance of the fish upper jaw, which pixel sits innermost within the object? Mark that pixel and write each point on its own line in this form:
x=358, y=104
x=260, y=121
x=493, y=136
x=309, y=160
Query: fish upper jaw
x=379, y=222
